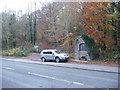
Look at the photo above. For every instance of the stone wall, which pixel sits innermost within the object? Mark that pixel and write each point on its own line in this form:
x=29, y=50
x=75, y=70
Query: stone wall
x=77, y=53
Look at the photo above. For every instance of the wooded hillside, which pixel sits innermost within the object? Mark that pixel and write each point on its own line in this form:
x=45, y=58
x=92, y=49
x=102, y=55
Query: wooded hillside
x=60, y=23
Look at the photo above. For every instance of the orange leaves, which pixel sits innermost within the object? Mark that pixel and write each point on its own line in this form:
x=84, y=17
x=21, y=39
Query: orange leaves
x=62, y=38
x=96, y=35
x=68, y=39
x=64, y=44
x=93, y=7
x=101, y=39
x=93, y=13
x=95, y=21
x=109, y=27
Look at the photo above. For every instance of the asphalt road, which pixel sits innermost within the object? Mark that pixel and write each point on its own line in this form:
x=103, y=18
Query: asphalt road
x=26, y=75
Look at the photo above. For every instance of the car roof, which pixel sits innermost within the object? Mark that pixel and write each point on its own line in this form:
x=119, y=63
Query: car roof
x=50, y=50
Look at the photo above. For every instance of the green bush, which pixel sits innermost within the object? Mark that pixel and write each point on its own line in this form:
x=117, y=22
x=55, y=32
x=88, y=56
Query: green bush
x=35, y=49
x=11, y=52
x=28, y=50
x=113, y=56
x=23, y=53
x=89, y=42
x=18, y=52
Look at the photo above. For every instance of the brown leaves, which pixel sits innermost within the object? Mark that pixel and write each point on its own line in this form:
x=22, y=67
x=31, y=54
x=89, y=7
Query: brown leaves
x=93, y=14
x=101, y=40
x=97, y=24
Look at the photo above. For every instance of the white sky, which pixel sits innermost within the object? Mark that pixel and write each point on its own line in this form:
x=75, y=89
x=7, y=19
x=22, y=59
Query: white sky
x=16, y=5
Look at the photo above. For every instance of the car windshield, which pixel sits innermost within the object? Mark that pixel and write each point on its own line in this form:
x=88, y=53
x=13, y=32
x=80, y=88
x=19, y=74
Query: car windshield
x=58, y=52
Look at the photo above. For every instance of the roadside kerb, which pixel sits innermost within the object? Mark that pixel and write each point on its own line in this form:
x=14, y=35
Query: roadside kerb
x=60, y=65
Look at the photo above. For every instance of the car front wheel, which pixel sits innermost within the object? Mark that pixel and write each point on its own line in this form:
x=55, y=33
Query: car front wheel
x=57, y=59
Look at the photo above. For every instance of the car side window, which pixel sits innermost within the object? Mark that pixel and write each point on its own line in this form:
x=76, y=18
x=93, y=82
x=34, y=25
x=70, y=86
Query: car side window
x=49, y=52
x=44, y=52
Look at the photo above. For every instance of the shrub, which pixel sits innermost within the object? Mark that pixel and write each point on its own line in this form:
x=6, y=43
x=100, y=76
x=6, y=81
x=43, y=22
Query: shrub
x=23, y=53
x=19, y=52
x=35, y=49
x=89, y=42
x=11, y=52
x=113, y=56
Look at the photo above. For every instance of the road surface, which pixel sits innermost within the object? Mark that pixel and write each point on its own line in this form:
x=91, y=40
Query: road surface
x=26, y=75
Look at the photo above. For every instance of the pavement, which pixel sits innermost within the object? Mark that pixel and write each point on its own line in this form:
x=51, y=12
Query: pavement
x=16, y=74
x=91, y=67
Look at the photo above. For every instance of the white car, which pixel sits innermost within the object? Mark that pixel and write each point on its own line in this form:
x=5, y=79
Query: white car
x=54, y=55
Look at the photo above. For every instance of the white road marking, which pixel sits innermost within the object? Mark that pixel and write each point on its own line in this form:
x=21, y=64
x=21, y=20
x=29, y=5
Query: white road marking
x=78, y=83
x=55, y=78
x=94, y=77
x=8, y=68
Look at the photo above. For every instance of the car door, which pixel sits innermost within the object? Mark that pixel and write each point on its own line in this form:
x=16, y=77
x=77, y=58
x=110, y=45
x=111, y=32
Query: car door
x=47, y=55
x=52, y=56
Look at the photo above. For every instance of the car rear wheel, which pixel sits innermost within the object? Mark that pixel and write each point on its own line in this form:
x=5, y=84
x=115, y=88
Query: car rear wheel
x=43, y=59
x=83, y=59
x=57, y=59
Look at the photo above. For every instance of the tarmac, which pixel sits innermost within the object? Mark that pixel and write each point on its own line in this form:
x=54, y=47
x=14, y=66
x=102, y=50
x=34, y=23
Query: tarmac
x=90, y=67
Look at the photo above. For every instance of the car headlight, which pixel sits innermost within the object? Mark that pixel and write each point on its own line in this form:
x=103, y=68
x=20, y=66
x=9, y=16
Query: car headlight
x=62, y=56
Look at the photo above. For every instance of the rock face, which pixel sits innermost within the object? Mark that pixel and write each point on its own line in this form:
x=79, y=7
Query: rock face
x=80, y=51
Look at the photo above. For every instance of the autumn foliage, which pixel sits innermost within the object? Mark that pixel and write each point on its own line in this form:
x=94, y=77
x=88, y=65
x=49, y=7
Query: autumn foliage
x=61, y=23
x=97, y=26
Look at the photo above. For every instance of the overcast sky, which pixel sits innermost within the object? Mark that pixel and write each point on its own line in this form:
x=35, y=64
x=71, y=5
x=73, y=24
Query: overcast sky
x=16, y=5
